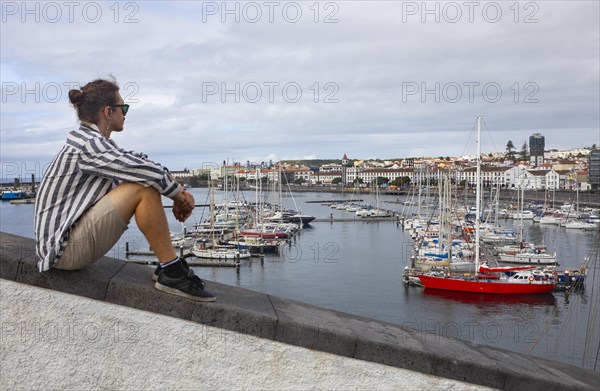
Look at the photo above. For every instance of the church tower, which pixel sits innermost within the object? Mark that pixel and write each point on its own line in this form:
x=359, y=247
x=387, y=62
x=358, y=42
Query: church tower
x=345, y=162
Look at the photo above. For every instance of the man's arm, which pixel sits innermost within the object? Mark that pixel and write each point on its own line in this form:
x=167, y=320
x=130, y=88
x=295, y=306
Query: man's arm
x=101, y=158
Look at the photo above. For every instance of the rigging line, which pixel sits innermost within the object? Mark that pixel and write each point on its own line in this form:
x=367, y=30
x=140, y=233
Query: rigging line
x=592, y=323
x=572, y=308
x=591, y=326
x=205, y=203
x=468, y=143
x=596, y=265
x=569, y=315
x=533, y=345
x=574, y=304
x=571, y=338
x=547, y=329
x=292, y=194
x=490, y=134
x=589, y=346
x=597, y=357
x=593, y=256
x=563, y=329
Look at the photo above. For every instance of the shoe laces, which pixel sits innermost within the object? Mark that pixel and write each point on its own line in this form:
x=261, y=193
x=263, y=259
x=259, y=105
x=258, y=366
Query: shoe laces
x=195, y=281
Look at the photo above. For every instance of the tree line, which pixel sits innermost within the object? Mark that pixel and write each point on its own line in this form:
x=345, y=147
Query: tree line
x=511, y=153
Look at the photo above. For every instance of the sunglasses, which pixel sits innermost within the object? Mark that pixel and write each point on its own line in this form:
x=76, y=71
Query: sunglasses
x=124, y=107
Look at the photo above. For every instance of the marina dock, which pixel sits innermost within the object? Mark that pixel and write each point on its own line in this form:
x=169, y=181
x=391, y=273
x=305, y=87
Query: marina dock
x=192, y=261
x=331, y=201
x=354, y=219
x=185, y=253
x=23, y=201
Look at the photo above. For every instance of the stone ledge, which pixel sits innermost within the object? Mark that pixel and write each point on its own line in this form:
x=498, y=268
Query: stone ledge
x=299, y=324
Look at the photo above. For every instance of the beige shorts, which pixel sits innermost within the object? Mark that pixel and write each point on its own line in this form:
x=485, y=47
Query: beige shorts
x=96, y=232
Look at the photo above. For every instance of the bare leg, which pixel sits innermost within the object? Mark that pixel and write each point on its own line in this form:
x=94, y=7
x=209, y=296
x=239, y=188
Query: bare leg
x=145, y=203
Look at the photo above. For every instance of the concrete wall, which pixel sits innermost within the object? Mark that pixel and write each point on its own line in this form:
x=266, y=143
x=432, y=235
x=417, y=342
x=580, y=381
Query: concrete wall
x=271, y=329
x=54, y=340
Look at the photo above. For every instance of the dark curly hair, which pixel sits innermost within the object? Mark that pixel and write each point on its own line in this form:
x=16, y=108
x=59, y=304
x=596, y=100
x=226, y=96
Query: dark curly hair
x=91, y=98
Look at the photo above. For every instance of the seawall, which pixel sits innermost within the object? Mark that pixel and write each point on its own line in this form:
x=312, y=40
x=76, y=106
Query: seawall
x=268, y=324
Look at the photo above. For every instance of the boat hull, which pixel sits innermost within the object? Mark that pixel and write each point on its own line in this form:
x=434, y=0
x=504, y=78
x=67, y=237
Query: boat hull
x=474, y=286
x=265, y=235
x=301, y=219
x=256, y=248
x=529, y=259
x=14, y=195
x=220, y=253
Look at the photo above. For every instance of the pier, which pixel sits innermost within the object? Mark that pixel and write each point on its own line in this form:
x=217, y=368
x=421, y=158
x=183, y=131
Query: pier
x=23, y=201
x=332, y=201
x=354, y=219
x=193, y=262
x=187, y=254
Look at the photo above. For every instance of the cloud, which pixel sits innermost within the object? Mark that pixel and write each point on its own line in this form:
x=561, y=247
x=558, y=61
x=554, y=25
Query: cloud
x=378, y=82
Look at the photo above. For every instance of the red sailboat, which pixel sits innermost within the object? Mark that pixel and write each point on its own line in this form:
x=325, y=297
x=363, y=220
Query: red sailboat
x=490, y=280
x=521, y=283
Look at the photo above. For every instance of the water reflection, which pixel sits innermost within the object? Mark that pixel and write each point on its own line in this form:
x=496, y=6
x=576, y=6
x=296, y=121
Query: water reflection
x=357, y=267
x=489, y=300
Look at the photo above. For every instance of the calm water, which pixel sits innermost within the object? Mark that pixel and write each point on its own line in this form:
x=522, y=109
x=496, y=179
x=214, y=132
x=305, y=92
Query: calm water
x=357, y=267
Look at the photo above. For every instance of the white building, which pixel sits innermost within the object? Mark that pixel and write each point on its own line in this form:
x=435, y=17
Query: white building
x=552, y=180
x=182, y=174
x=490, y=176
x=370, y=175
x=302, y=173
x=512, y=177
x=331, y=167
x=324, y=177
x=253, y=175
x=537, y=179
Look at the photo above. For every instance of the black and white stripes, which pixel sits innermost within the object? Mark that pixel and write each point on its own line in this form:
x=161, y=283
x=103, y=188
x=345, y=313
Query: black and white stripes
x=85, y=170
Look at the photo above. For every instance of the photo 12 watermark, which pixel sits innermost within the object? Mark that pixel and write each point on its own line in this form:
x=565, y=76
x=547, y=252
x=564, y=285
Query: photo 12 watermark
x=488, y=333
x=469, y=91
x=470, y=11
x=321, y=333
x=270, y=92
x=316, y=252
x=69, y=11
x=22, y=172
x=53, y=92
x=68, y=332
x=290, y=12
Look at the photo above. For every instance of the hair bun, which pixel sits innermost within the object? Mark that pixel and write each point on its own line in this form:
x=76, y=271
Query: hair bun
x=75, y=96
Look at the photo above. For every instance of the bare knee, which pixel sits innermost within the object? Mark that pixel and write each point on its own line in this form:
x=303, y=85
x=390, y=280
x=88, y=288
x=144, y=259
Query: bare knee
x=131, y=190
x=127, y=196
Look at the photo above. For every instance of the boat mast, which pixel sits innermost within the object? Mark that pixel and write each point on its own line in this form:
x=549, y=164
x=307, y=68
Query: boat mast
x=521, y=227
x=478, y=192
x=577, y=192
x=237, y=211
x=212, y=212
x=497, y=201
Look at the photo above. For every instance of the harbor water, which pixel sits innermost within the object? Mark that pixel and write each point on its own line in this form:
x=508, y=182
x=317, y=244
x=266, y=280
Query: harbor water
x=357, y=267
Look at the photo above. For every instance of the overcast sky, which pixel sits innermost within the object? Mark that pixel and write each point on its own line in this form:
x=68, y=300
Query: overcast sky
x=263, y=81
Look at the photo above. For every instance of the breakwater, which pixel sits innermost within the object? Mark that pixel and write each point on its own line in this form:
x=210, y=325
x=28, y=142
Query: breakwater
x=300, y=324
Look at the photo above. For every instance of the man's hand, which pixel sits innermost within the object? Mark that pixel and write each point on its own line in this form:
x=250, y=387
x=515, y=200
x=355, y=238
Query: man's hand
x=183, y=204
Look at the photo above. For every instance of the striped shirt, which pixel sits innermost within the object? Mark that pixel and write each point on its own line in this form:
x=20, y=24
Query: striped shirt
x=85, y=170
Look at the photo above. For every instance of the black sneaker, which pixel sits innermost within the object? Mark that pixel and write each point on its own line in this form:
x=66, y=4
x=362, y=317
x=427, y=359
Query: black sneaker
x=159, y=269
x=188, y=286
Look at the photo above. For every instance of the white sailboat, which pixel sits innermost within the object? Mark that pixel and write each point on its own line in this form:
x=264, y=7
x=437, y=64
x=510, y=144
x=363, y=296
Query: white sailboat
x=490, y=280
x=212, y=250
